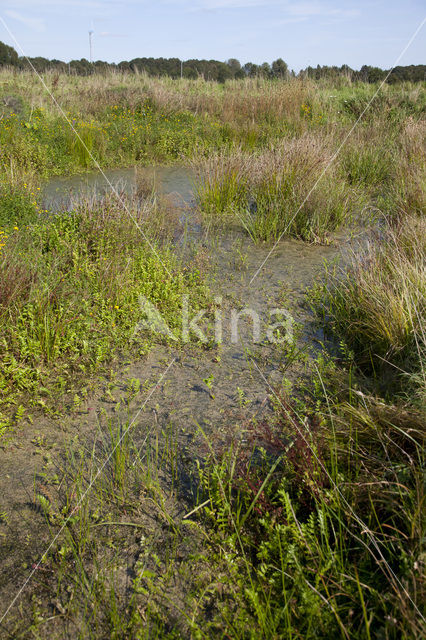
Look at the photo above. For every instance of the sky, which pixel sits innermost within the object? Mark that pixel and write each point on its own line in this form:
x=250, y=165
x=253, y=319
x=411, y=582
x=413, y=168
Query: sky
x=311, y=32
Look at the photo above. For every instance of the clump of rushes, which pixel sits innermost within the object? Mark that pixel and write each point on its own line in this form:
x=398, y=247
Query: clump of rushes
x=388, y=160
x=145, y=183
x=70, y=290
x=221, y=184
x=407, y=191
x=378, y=306
x=275, y=191
x=367, y=164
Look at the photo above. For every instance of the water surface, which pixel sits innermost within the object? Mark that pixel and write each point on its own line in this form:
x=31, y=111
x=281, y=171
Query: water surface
x=59, y=192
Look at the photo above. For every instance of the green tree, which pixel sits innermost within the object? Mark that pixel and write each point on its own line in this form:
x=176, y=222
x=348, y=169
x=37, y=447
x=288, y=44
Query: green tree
x=8, y=55
x=265, y=70
x=250, y=69
x=234, y=67
x=279, y=69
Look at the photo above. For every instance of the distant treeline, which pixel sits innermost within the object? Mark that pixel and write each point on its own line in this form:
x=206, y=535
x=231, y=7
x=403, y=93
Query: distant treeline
x=208, y=69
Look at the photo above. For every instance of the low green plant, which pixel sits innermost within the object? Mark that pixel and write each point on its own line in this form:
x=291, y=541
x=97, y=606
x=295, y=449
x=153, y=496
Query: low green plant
x=70, y=290
x=18, y=207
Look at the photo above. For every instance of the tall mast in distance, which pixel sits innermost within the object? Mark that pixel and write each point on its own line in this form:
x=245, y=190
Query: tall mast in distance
x=90, y=46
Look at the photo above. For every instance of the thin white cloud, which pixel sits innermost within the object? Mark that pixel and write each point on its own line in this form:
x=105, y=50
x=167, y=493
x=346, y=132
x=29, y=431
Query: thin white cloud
x=311, y=9
x=308, y=9
x=215, y=5
x=305, y=9
x=302, y=10
x=60, y=4
x=293, y=20
x=108, y=34
x=36, y=24
x=230, y=4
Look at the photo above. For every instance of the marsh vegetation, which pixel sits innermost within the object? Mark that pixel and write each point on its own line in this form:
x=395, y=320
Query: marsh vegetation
x=157, y=488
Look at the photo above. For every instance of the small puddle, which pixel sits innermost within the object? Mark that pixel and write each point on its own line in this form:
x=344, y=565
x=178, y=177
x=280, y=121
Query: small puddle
x=60, y=192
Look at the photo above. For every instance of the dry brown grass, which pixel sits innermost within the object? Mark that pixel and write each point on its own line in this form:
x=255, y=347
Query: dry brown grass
x=16, y=281
x=409, y=187
x=251, y=100
x=145, y=183
x=305, y=156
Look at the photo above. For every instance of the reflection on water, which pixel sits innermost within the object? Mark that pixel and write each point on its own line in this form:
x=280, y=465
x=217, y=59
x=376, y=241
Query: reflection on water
x=60, y=191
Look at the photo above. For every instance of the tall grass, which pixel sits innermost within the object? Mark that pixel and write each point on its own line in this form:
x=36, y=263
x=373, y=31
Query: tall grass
x=126, y=119
x=378, y=307
x=249, y=100
x=277, y=191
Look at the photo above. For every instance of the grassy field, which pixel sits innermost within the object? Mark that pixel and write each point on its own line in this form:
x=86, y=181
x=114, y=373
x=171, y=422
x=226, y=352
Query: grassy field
x=309, y=526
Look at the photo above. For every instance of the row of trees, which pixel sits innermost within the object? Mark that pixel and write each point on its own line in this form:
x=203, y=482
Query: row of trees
x=173, y=67
x=412, y=73
x=209, y=69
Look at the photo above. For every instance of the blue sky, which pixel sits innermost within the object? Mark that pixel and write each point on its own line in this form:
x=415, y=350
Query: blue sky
x=302, y=33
